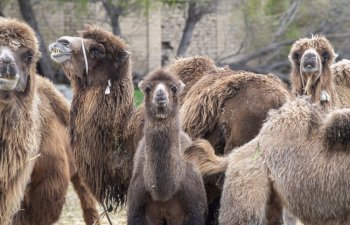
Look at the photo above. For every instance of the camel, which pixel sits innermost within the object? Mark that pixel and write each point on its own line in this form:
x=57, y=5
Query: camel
x=315, y=74
x=164, y=188
x=34, y=115
x=227, y=108
x=105, y=126
x=299, y=142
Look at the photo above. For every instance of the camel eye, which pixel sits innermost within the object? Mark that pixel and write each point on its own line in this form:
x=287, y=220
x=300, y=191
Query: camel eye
x=148, y=89
x=325, y=56
x=173, y=89
x=296, y=56
x=97, y=52
x=27, y=56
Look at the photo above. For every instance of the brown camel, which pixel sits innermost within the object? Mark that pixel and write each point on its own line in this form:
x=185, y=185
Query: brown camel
x=315, y=74
x=299, y=142
x=34, y=115
x=164, y=188
x=105, y=126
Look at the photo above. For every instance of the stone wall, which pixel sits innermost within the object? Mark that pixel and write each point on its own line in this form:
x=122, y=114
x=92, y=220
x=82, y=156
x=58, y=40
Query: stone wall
x=153, y=38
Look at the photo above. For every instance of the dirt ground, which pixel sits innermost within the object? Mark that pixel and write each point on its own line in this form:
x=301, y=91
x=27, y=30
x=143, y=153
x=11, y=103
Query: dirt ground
x=72, y=214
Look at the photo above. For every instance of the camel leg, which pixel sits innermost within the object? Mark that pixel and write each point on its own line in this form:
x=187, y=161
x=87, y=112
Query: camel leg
x=87, y=201
x=246, y=192
x=45, y=196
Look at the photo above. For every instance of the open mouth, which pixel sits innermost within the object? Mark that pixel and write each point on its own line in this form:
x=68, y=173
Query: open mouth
x=60, y=53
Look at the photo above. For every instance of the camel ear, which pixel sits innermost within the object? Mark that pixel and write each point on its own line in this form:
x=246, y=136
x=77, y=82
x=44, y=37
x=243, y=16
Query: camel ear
x=141, y=85
x=181, y=86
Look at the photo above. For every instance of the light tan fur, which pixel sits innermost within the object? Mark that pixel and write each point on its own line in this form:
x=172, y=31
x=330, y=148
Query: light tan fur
x=202, y=154
x=296, y=143
x=341, y=73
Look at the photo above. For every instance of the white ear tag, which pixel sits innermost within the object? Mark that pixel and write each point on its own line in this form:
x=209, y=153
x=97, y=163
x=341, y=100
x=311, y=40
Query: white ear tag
x=108, y=88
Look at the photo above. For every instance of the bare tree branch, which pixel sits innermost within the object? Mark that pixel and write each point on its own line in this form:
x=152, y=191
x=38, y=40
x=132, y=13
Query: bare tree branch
x=288, y=17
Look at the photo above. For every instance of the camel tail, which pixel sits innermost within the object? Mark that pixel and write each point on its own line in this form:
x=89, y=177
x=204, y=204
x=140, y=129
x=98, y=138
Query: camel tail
x=337, y=130
x=202, y=154
x=87, y=201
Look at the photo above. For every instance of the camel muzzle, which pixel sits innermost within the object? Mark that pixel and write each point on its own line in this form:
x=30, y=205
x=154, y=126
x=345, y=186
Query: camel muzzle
x=9, y=75
x=61, y=50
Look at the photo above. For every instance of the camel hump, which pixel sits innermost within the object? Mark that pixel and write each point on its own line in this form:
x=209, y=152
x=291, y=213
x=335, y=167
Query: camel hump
x=202, y=154
x=337, y=130
x=341, y=71
x=59, y=103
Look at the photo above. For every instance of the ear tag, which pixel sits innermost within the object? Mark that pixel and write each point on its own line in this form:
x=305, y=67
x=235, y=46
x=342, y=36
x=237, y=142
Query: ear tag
x=108, y=88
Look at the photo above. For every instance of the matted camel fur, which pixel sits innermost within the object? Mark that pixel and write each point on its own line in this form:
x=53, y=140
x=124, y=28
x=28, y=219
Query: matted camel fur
x=300, y=141
x=34, y=138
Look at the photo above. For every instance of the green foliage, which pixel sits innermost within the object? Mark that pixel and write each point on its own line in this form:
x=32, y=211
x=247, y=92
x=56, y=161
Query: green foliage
x=273, y=7
x=138, y=97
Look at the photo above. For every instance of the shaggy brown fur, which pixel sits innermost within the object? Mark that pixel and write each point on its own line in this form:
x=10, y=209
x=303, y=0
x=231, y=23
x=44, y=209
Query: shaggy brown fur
x=212, y=105
x=20, y=124
x=190, y=70
x=266, y=168
x=227, y=108
x=164, y=189
x=37, y=116
x=311, y=60
x=105, y=127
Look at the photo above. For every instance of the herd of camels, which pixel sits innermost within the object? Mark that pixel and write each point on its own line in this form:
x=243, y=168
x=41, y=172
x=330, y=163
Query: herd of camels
x=209, y=145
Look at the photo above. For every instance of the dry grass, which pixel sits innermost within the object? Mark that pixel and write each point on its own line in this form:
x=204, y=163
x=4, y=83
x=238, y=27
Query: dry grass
x=72, y=214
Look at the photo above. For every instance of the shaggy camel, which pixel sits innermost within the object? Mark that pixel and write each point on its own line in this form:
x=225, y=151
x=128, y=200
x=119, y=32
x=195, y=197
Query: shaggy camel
x=315, y=74
x=261, y=175
x=105, y=127
x=225, y=107
x=34, y=115
x=164, y=188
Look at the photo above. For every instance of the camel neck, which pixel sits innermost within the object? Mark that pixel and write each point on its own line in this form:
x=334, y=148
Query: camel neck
x=163, y=157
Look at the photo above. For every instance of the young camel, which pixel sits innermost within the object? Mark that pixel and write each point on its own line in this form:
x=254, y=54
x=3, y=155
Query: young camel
x=315, y=74
x=105, y=126
x=164, y=189
x=34, y=141
x=265, y=170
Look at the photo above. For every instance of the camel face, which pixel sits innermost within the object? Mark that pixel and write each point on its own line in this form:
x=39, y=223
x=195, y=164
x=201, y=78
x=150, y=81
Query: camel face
x=161, y=95
x=83, y=58
x=14, y=69
x=311, y=59
x=311, y=50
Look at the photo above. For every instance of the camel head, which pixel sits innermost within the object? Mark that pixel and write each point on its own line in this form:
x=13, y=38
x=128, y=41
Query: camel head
x=95, y=58
x=19, y=52
x=311, y=59
x=161, y=91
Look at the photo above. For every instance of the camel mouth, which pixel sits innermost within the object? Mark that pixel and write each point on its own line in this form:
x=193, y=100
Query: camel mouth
x=60, y=53
x=309, y=68
x=8, y=83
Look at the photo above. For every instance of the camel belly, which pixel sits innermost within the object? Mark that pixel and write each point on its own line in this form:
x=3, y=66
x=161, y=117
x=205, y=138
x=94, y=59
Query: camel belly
x=170, y=212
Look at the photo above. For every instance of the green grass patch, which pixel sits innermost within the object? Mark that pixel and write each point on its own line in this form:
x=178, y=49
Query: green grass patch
x=138, y=97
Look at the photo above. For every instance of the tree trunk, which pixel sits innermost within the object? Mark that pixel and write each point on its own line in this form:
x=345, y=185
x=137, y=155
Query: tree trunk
x=192, y=19
x=113, y=13
x=45, y=62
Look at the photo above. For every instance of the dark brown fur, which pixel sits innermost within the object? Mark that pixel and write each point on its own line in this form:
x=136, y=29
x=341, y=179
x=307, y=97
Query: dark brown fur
x=104, y=128
x=164, y=189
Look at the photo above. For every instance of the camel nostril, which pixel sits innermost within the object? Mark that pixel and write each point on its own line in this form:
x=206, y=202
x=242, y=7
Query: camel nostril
x=7, y=60
x=310, y=56
x=64, y=42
